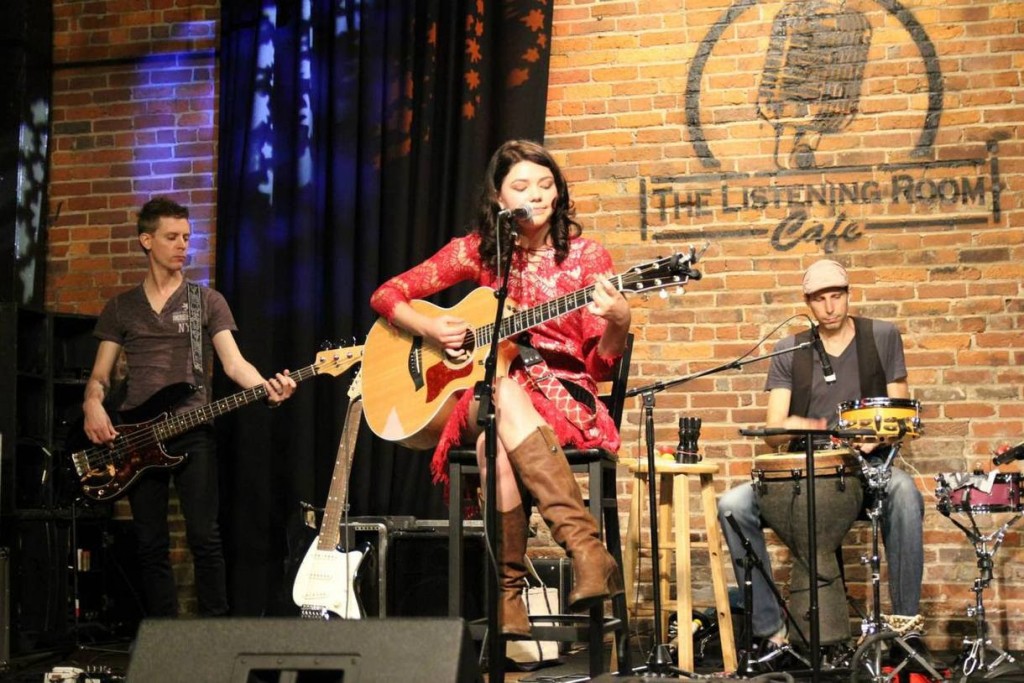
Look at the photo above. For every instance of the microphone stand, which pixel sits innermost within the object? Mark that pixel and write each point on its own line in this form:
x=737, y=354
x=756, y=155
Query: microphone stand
x=750, y=562
x=486, y=418
x=812, y=541
x=659, y=661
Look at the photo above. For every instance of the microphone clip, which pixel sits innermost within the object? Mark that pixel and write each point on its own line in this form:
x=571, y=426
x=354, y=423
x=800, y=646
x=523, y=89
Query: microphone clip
x=522, y=213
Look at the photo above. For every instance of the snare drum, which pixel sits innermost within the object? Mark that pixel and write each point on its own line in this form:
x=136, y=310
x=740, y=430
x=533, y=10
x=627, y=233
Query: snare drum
x=1004, y=496
x=891, y=419
x=780, y=483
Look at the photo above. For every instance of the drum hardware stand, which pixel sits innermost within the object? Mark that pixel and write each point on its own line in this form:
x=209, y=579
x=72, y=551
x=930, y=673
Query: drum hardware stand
x=747, y=664
x=875, y=634
x=974, y=649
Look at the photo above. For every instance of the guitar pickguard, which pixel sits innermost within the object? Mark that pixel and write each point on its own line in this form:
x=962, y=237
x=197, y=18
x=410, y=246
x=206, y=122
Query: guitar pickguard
x=440, y=377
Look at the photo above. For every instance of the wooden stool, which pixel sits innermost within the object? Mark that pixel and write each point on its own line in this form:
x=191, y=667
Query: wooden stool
x=674, y=485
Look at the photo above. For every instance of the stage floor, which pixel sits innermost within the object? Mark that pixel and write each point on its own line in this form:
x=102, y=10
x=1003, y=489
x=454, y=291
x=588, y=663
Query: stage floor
x=108, y=662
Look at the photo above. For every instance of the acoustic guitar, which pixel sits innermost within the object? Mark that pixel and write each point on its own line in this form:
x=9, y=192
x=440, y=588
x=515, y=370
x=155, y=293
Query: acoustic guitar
x=413, y=385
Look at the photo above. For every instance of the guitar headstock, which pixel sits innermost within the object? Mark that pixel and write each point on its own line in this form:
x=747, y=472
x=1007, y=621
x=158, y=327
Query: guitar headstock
x=336, y=361
x=355, y=390
x=670, y=271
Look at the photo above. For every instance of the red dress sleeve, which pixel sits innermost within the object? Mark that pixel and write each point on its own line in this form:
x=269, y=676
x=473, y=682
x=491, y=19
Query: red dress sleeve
x=457, y=261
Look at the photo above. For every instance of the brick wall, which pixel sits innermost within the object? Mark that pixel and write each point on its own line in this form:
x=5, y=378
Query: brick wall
x=653, y=109
x=134, y=115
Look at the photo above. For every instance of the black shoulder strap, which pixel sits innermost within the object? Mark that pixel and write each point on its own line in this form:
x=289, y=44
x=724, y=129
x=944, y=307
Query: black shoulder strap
x=869, y=363
x=803, y=367
x=195, y=330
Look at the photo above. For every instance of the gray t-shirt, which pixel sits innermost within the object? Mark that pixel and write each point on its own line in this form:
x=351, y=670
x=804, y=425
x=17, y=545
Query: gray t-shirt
x=825, y=398
x=158, y=345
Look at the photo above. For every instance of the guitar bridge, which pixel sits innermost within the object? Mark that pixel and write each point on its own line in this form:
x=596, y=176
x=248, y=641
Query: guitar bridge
x=416, y=362
x=316, y=613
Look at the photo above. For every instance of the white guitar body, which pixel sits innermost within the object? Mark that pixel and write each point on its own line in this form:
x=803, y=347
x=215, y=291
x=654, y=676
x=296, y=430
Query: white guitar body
x=325, y=583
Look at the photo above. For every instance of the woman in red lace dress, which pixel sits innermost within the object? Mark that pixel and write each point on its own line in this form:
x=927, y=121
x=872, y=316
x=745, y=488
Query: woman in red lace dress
x=534, y=418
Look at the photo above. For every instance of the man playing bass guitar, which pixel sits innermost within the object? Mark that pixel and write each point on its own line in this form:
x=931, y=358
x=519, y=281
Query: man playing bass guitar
x=153, y=324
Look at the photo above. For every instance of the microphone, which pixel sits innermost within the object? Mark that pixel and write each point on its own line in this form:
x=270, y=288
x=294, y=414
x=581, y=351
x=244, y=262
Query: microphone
x=1010, y=454
x=826, y=364
x=523, y=213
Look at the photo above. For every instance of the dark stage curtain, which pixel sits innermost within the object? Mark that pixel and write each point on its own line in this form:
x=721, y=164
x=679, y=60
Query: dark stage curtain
x=352, y=139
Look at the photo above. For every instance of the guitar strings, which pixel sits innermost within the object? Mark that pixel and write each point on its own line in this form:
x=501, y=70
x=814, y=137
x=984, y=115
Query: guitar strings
x=99, y=457
x=570, y=302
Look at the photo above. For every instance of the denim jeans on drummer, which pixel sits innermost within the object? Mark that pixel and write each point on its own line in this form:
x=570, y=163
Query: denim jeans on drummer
x=901, y=527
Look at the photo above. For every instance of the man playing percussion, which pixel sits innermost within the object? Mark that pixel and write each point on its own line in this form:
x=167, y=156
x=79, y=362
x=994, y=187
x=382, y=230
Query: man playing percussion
x=867, y=358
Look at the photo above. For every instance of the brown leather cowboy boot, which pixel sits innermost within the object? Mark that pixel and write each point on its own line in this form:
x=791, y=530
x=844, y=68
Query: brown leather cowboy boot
x=512, y=617
x=543, y=469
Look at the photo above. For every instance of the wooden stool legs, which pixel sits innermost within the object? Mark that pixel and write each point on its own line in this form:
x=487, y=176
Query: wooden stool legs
x=674, y=535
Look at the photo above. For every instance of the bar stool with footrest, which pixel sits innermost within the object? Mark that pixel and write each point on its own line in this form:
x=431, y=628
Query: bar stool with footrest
x=674, y=513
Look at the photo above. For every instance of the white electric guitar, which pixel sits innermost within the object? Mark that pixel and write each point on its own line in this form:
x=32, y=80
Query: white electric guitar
x=325, y=585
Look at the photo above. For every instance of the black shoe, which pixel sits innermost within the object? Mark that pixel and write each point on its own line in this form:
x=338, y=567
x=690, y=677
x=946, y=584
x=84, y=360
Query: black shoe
x=899, y=654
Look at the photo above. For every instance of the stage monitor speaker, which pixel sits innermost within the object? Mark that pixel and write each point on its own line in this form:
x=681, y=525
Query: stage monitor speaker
x=278, y=650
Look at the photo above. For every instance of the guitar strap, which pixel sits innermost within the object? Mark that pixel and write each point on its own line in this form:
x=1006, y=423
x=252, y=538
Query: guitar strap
x=576, y=409
x=195, y=331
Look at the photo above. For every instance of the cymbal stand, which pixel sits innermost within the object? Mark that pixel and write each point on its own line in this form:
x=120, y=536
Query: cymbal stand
x=973, y=654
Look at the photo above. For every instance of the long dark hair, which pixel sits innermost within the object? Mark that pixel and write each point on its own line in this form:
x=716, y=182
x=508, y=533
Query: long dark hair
x=563, y=224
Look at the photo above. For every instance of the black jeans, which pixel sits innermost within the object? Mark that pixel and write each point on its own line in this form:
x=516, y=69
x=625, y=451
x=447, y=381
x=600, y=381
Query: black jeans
x=195, y=481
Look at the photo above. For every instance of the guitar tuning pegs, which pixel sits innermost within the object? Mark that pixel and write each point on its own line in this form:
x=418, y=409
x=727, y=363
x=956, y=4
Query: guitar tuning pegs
x=680, y=289
x=326, y=345
x=663, y=294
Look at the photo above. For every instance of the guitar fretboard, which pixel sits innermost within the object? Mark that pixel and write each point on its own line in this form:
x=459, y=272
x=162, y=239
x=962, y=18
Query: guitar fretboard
x=330, y=528
x=531, y=317
x=183, y=422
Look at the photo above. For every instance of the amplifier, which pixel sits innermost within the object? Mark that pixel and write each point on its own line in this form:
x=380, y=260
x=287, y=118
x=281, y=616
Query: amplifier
x=405, y=573
x=372, y=579
x=555, y=572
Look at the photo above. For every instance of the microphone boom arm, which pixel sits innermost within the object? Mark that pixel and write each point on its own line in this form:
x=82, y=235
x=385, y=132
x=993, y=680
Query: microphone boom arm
x=733, y=365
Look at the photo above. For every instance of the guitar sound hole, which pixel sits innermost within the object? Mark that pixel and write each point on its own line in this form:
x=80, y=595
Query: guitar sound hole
x=458, y=357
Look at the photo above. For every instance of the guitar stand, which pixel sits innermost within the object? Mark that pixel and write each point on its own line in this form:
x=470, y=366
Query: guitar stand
x=747, y=664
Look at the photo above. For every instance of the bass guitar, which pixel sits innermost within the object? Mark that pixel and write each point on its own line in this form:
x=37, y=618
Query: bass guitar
x=414, y=384
x=106, y=472
x=325, y=584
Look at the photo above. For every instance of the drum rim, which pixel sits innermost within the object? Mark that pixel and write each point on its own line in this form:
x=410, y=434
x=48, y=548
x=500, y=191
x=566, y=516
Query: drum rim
x=879, y=402
x=957, y=503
